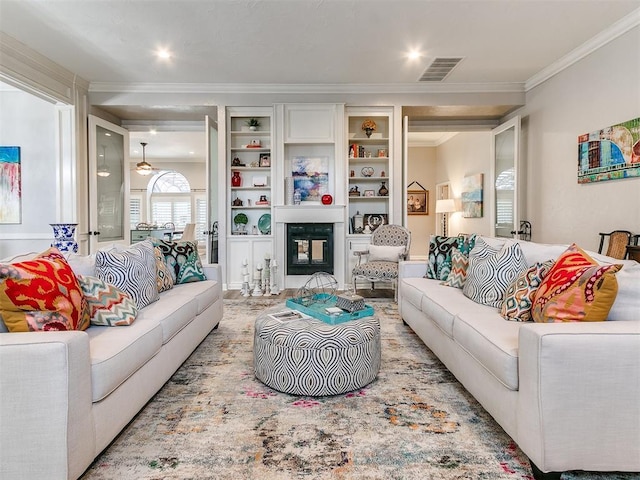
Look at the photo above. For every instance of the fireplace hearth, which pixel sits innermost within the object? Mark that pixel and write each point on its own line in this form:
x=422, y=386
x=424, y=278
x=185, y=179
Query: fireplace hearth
x=309, y=248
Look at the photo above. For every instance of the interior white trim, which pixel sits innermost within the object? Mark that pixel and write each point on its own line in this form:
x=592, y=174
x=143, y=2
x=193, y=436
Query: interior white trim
x=239, y=88
x=620, y=27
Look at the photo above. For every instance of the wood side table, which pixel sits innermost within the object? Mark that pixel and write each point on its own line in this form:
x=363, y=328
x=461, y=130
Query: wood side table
x=633, y=252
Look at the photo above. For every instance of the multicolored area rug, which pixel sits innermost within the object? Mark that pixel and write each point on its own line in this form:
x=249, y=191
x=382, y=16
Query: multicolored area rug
x=214, y=420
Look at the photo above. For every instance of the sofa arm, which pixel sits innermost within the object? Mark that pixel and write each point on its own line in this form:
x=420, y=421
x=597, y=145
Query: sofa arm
x=412, y=269
x=579, y=395
x=212, y=271
x=46, y=424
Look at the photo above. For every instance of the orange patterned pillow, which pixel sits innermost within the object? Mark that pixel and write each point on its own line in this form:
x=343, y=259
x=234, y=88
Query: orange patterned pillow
x=576, y=289
x=42, y=294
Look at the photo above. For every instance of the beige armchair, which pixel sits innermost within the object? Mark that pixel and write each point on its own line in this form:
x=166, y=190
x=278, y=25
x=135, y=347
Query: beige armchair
x=379, y=263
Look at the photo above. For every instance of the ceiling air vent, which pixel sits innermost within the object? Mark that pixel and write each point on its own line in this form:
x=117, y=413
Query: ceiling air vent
x=439, y=69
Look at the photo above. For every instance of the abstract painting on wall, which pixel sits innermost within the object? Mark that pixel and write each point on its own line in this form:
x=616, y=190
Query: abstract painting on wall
x=10, y=185
x=310, y=177
x=472, y=196
x=610, y=154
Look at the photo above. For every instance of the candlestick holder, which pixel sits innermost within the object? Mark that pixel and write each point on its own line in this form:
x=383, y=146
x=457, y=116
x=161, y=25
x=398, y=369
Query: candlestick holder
x=273, y=276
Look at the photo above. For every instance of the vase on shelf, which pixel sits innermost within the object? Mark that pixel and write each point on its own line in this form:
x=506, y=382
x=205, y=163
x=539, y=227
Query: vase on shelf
x=236, y=179
x=64, y=237
x=368, y=132
x=384, y=191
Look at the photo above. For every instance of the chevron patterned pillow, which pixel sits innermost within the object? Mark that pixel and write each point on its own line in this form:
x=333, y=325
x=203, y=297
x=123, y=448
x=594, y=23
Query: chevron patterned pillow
x=491, y=272
x=109, y=305
x=458, y=274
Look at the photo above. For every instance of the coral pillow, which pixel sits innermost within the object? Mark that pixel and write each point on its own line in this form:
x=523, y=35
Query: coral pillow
x=182, y=259
x=42, y=294
x=576, y=289
x=109, y=306
x=518, y=299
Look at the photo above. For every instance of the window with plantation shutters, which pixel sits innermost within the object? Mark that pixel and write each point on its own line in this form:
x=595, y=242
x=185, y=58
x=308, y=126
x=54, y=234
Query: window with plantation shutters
x=135, y=210
x=201, y=217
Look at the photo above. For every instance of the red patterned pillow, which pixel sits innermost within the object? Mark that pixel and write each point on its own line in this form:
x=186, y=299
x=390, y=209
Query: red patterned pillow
x=576, y=289
x=42, y=294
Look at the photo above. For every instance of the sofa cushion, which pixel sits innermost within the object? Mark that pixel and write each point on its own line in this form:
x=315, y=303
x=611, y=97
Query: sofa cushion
x=117, y=353
x=206, y=293
x=182, y=259
x=164, y=280
x=518, y=298
x=132, y=270
x=108, y=305
x=483, y=333
x=576, y=289
x=42, y=294
x=172, y=312
x=491, y=271
x=627, y=303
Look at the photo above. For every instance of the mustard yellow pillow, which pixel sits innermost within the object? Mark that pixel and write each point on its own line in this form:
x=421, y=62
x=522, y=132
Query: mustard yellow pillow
x=576, y=289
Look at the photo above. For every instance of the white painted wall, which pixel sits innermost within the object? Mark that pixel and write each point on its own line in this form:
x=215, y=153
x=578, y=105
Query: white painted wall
x=30, y=123
x=467, y=153
x=421, y=168
x=600, y=90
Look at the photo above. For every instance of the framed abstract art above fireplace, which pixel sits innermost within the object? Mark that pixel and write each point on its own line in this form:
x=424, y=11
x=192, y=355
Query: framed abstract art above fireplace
x=10, y=185
x=310, y=177
x=610, y=154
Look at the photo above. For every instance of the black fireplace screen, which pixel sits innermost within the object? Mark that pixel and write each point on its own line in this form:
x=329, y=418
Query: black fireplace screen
x=309, y=248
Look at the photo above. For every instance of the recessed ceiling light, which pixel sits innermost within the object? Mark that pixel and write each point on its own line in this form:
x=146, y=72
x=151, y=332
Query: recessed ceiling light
x=163, y=53
x=192, y=153
x=107, y=134
x=414, y=55
x=153, y=131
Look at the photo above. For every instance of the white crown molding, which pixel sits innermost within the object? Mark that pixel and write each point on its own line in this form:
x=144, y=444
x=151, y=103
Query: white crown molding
x=28, y=70
x=240, y=88
x=614, y=31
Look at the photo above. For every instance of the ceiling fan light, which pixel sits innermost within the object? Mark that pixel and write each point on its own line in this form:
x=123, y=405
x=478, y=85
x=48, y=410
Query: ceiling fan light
x=144, y=168
x=104, y=171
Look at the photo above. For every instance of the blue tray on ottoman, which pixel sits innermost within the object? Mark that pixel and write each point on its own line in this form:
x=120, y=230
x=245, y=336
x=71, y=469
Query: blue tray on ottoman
x=321, y=301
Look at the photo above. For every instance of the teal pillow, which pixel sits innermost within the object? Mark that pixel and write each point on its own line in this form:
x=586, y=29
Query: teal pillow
x=440, y=250
x=182, y=260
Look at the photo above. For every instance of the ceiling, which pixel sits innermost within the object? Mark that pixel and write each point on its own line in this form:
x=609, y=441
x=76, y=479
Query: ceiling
x=308, y=42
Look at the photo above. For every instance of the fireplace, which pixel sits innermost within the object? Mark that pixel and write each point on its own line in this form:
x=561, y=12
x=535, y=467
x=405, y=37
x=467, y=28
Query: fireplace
x=309, y=248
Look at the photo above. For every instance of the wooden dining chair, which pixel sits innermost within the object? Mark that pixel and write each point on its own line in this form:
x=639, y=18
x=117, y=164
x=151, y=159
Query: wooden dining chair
x=618, y=241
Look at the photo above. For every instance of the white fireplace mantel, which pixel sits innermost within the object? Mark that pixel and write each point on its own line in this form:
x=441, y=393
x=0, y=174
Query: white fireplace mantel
x=309, y=213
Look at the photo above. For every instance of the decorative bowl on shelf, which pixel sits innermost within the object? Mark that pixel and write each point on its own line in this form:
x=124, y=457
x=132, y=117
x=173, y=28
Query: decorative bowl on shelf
x=367, y=171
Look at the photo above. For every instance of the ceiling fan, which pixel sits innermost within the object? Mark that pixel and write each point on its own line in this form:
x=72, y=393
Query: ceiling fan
x=144, y=167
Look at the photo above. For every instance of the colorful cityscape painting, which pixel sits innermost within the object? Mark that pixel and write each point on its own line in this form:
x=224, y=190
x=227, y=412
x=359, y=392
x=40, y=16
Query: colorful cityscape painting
x=10, y=185
x=610, y=154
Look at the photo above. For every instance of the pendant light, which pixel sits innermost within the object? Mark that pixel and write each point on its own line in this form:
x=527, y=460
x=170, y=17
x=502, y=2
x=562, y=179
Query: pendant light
x=103, y=168
x=144, y=168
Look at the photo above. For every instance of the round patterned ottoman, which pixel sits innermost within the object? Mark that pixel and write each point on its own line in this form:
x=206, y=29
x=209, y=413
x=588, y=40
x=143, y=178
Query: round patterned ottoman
x=310, y=357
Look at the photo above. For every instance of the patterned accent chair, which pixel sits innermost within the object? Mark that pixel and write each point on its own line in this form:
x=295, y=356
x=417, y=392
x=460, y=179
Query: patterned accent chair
x=379, y=263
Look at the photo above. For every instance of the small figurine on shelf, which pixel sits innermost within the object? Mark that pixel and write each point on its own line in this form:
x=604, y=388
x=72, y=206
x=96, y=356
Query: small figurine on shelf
x=354, y=192
x=236, y=202
x=236, y=179
x=297, y=197
x=236, y=162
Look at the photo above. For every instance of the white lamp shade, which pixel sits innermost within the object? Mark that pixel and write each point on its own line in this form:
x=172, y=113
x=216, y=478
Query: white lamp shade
x=446, y=205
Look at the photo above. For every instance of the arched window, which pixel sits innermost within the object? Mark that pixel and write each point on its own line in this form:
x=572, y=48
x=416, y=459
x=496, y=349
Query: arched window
x=170, y=198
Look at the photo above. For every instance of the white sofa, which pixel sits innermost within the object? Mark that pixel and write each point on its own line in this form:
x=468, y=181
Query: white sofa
x=567, y=393
x=64, y=396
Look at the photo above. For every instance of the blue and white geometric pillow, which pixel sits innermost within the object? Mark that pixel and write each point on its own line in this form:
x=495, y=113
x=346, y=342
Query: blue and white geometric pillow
x=132, y=270
x=492, y=271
